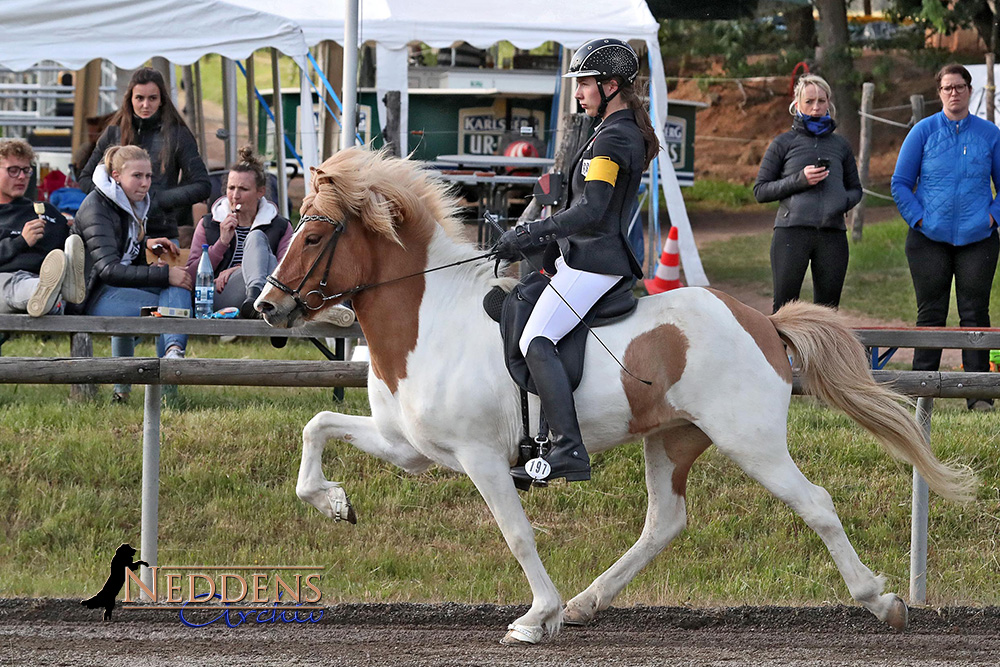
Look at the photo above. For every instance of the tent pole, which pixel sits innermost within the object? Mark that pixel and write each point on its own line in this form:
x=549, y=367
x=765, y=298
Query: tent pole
x=251, y=104
x=190, y=114
x=199, y=110
x=279, y=134
x=350, y=74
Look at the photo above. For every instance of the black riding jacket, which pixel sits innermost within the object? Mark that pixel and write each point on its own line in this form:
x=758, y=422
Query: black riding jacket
x=592, y=231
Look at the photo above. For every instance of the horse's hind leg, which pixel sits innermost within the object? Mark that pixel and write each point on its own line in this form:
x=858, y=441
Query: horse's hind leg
x=763, y=454
x=668, y=456
x=328, y=497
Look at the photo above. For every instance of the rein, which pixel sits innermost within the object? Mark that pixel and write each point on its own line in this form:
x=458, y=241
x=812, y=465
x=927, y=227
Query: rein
x=331, y=246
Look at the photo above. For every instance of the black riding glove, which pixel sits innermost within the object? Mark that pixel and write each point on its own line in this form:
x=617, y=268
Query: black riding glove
x=513, y=243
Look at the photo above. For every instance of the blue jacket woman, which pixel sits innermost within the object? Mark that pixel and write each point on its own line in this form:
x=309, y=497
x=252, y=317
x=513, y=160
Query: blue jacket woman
x=590, y=238
x=942, y=189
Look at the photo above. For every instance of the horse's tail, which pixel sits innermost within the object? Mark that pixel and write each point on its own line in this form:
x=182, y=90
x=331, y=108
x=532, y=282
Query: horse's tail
x=835, y=369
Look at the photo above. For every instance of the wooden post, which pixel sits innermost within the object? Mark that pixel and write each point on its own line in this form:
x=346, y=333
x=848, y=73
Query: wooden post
x=251, y=104
x=333, y=68
x=230, y=119
x=199, y=110
x=991, y=88
x=190, y=112
x=390, y=132
x=81, y=345
x=85, y=99
x=865, y=156
x=917, y=105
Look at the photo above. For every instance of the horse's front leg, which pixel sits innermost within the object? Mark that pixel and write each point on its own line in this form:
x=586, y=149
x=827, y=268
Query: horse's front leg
x=490, y=472
x=326, y=496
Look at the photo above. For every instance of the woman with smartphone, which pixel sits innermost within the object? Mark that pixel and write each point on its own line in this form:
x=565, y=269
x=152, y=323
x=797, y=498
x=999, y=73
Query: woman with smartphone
x=811, y=171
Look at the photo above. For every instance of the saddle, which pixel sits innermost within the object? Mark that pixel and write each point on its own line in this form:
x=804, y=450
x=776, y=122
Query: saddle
x=512, y=309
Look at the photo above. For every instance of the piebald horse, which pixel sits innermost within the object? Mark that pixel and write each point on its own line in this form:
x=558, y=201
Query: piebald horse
x=440, y=393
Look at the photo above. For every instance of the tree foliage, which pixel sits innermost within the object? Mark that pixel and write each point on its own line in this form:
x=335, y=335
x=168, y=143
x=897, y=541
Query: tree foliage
x=945, y=16
x=700, y=10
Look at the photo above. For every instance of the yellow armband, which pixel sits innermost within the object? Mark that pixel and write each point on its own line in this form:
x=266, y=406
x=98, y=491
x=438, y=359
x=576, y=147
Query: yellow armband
x=602, y=168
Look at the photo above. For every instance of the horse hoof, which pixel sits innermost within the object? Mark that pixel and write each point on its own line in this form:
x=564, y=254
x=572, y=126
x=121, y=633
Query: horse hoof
x=522, y=634
x=898, y=616
x=576, y=617
x=340, y=506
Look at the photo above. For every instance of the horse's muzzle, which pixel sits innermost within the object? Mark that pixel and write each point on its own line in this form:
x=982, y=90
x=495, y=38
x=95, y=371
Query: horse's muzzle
x=279, y=309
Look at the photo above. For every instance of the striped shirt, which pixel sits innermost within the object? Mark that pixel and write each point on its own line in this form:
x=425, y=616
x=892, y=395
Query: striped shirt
x=241, y=237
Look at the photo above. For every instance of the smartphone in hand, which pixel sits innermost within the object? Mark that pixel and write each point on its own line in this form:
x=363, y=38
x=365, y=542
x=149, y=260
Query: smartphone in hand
x=823, y=162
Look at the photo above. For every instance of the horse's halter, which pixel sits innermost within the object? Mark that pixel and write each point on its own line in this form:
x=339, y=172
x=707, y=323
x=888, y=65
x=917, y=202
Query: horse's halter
x=331, y=246
x=328, y=250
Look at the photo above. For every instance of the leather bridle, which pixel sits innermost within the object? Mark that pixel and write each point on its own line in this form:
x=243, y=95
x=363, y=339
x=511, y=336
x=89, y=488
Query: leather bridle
x=321, y=297
x=331, y=247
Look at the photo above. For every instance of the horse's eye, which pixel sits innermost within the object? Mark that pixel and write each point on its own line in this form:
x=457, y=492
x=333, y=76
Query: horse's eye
x=313, y=239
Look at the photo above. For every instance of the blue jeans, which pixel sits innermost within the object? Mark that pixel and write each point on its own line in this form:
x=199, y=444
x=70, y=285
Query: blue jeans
x=128, y=302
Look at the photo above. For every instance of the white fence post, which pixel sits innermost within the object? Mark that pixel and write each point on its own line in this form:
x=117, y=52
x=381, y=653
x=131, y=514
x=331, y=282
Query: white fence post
x=150, y=483
x=918, y=515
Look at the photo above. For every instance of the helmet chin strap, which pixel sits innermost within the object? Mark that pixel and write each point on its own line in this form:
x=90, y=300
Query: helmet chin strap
x=605, y=99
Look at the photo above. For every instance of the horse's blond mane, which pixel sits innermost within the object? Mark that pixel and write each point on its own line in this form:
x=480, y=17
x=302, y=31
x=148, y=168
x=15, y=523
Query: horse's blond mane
x=382, y=191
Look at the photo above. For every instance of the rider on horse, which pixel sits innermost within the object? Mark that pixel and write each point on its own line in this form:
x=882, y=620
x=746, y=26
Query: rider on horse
x=588, y=239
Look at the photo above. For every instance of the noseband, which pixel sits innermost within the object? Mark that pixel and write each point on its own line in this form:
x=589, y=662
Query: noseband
x=320, y=294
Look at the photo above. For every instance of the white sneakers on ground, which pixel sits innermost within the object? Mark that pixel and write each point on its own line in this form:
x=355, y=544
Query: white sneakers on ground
x=61, y=274
x=50, y=281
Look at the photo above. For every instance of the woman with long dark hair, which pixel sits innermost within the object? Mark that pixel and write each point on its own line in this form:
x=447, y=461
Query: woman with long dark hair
x=148, y=118
x=589, y=238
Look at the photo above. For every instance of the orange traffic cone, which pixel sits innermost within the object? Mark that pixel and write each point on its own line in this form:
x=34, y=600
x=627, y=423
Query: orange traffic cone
x=668, y=272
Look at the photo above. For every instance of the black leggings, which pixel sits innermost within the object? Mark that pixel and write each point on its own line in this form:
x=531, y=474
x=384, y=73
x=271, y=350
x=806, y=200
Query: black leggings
x=932, y=265
x=792, y=250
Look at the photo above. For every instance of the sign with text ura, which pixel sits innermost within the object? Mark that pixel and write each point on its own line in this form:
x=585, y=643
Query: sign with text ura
x=481, y=129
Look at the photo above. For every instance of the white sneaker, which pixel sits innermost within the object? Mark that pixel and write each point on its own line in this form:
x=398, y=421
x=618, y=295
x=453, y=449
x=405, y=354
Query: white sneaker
x=50, y=280
x=74, y=287
x=174, y=352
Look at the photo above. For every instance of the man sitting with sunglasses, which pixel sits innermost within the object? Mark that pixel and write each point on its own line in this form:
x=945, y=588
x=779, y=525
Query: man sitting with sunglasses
x=41, y=263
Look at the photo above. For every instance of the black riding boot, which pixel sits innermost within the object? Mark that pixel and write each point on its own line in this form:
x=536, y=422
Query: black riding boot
x=567, y=455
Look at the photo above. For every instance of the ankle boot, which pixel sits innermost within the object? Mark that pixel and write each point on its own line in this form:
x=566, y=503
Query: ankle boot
x=567, y=455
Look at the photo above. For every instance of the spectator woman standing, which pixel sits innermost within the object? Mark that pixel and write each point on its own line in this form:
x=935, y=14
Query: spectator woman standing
x=148, y=118
x=941, y=186
x=812, y=172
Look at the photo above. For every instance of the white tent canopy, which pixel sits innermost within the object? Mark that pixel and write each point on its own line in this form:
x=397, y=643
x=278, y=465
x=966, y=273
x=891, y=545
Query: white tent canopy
x=394, y=24
x=130, y=32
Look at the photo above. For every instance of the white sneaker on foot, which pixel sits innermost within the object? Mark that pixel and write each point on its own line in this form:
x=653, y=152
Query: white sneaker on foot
x=50, y=280
x=74, y=287
x=174, y=352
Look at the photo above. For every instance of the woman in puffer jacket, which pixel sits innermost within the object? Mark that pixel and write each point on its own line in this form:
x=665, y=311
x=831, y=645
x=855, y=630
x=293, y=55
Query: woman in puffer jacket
x=942, y=189
x=120, y=283
x=811, y=171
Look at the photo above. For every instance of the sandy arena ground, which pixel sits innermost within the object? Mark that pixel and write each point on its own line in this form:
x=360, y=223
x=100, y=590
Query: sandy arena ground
x=60, y=632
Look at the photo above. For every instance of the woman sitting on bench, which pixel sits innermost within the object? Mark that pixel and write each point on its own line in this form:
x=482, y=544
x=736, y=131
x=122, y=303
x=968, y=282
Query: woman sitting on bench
x=246, y=237
x=120, y=283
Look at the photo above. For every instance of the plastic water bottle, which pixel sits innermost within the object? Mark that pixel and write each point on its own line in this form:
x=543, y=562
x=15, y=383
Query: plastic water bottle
x=204, y=287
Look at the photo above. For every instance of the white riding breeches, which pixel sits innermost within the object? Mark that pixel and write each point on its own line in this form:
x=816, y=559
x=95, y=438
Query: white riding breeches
x=551, y=317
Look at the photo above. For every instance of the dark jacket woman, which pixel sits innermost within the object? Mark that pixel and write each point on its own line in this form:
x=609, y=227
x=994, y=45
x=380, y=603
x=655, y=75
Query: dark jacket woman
x=179, y=178
x=103, y=221
x=780, y=178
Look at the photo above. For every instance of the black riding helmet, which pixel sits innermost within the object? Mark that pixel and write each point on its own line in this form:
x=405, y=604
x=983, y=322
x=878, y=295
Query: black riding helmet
x=604, y=59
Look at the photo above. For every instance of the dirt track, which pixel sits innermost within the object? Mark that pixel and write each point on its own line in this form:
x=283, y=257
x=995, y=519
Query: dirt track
x=60, y=632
